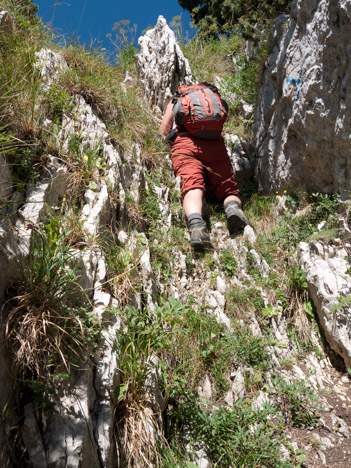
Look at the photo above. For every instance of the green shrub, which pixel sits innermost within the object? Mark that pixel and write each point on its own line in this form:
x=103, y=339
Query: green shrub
x=298, y=401
x=294, y=229
x=242, y=300
x=216, y=17
x=239, y=436
x=229, y=263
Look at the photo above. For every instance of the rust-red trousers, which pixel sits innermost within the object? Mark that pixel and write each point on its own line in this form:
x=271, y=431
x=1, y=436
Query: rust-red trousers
x=193, y=158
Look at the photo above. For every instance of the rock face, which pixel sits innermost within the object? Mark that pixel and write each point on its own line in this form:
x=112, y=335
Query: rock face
x=161, y=65
x=327, y=272
x=302, y=121
x=242, y=158
x=50, y=64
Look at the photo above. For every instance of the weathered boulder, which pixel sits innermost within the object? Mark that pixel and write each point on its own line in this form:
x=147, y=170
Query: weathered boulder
x=302, y=122
x=50, y=64
x=161, y=65
x=329, y=280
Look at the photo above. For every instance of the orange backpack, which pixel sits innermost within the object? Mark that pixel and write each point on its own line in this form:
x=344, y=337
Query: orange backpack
x=200, y=110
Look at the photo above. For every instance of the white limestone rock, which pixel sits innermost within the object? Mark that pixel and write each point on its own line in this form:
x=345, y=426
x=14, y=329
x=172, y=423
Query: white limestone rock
x=302, y=119
x=107, y=377
x=91, y=130
x=221, y=285
x=205, y=389
x=67, y=433
x=46, y=192
x=96, y=211
x=148, y=277
x=261, y=263
x=340, y=426
x=216, y=302
x=161, y=65
x=249, y=235
x=326, y=268
x=50, y=65
x=259, y=401
x=162, y=193
x=247, y=108
x=238, y=386
x=243, y=165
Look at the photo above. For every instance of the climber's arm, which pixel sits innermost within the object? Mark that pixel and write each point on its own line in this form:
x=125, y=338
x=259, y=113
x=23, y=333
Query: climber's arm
x=167, y=121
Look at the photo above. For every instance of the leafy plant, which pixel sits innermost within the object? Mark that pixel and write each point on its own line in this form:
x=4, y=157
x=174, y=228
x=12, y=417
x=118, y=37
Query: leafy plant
x=242, y=300
x=229, y=263
x=150, y=206
x=25, y=166
x=162, y=331
x=343, y=303
x=58, y=101
x=86, y=164
x=239, y=436
x=271, y=311
x=259, y=206
x=251, y=350
x=24, y=8
x=293, y=228
x=188, y=345
x=298, y=401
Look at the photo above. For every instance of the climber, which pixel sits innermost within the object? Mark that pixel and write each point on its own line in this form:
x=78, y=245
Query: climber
x=197, y=146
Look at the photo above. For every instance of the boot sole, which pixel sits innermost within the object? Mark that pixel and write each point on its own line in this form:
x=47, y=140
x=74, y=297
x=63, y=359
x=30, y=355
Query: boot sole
x=201, y=245
x=236, y=224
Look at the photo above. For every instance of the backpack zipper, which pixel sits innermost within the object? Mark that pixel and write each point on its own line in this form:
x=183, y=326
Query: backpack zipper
x=204, y=95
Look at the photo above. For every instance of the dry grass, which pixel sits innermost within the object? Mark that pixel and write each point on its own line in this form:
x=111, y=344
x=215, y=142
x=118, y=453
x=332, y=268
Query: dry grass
x=39, y=337
x=137, y=432
x=303, y=324
x=47, y=318
x=211, y=59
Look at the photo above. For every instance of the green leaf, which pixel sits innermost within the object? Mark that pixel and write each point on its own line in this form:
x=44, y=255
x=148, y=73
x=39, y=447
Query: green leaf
x=121, y=390
x=308, y=308
x=92, y=186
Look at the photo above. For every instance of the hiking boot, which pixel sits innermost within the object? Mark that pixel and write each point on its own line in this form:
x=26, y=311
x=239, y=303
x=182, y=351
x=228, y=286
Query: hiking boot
x=236, y=219
x=199, y=237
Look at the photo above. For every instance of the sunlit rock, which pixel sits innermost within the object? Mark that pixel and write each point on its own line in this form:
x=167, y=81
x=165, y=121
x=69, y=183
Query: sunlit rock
x=330, y=287
x=50, y=64
x=302, y=121
x=161, y=65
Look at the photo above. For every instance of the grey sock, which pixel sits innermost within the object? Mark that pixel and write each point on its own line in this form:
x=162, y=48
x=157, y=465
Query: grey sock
x=231, y=203
x=195, y=219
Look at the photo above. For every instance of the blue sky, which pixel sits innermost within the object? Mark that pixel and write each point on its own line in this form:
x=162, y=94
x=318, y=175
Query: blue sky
x=91, y=20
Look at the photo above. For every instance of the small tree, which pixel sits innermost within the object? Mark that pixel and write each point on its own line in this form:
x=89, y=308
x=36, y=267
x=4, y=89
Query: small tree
x=214, y=17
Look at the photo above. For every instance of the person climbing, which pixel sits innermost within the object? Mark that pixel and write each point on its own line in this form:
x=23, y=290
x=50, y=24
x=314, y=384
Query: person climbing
x=192, y=124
